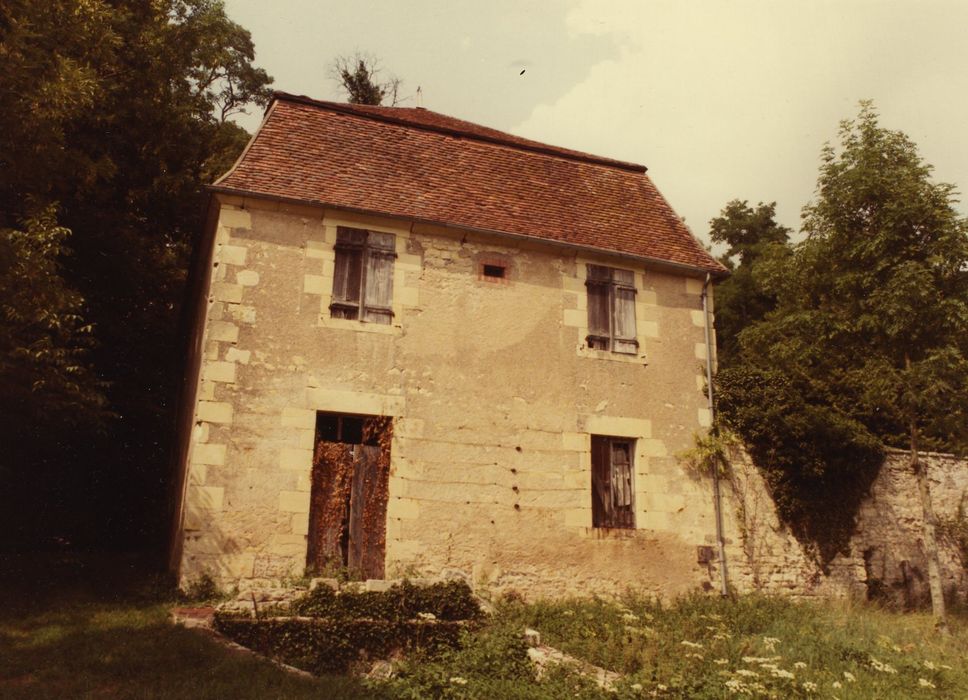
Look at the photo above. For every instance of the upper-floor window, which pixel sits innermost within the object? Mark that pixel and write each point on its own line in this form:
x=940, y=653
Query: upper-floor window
x=611, y=309
x=613, y=495
x=363, y=275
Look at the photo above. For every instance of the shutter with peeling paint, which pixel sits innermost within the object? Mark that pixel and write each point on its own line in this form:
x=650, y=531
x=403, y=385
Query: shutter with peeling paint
x=598, y=284
x=623, y=326
x=378, y=294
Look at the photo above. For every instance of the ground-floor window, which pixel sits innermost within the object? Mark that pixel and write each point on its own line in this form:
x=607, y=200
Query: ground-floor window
x=613, y=494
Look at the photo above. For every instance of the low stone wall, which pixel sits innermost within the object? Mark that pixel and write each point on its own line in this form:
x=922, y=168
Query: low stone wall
x=885, y=559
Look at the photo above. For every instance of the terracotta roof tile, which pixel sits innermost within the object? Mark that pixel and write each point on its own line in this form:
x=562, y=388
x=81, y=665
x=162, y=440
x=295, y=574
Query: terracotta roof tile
x=418, y=164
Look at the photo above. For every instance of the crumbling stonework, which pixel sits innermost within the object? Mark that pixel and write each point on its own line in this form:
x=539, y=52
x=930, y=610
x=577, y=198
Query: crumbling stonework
x=885, y=560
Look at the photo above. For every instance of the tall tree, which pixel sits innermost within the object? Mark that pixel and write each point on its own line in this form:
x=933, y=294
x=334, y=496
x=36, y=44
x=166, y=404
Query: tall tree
x=359, y=78
x=871, y=324
x=128, y=105
x=753, y=239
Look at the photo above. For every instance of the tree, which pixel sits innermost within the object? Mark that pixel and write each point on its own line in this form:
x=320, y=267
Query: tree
x=128, y=105
x=753, y=237
x=871, y=322
x=358, y=76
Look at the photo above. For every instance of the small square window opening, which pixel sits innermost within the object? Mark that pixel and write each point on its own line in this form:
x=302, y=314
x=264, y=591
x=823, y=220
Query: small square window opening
x=494, y=271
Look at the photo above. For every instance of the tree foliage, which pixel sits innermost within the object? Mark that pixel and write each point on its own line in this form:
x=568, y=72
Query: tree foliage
x=868, y=340
x=754, y=242
x=113, y=120
x=359, y=78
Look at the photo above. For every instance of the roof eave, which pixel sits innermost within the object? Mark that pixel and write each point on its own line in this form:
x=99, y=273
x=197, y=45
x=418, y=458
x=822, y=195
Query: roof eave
x=659, y=263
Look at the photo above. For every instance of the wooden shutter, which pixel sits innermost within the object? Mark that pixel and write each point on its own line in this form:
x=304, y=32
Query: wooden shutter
x=348, y=272
x=378, y=292
x=623, y=498
x=623, y=325
x=601, y=475
x=598, y=282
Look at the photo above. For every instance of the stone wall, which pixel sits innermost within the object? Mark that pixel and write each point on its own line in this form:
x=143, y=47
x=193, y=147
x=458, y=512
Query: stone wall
x=885, y=560
x=494, y=398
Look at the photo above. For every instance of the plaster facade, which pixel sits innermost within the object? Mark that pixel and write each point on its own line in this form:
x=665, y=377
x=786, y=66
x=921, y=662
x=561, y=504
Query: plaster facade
x=494, y=399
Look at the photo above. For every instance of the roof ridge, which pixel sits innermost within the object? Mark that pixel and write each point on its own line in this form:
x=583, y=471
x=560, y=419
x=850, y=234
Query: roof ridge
x=501, y=138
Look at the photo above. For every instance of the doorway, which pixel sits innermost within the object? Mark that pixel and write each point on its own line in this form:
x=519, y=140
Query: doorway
x=348, y=502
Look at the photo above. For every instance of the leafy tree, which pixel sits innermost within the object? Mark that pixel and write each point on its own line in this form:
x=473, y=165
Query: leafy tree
x=754, y=238
x=870, y=332
x=358, y=76
x=128, y=105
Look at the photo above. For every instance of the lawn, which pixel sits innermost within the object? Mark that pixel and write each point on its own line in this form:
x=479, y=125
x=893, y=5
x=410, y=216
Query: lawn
x=114, y=640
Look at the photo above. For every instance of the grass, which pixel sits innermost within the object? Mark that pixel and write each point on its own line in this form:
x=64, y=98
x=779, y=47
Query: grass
x=107, y=637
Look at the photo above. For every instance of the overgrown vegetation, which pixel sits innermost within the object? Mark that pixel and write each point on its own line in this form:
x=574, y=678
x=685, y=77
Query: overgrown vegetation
x=858, y=335
x=329, y=631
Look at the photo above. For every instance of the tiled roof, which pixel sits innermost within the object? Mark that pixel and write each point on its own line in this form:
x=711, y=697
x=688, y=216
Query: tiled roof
x=418, y=164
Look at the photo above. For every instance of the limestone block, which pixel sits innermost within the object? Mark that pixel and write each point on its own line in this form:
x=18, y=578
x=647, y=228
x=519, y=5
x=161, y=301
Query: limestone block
x=206, y=497
x=208, y=454
x=295, y=459
x=654, y=520
x=577, y=480
x=575, y=318
x=700, y=351
x=694, y=286
x=704, y=417
x=355, y=402
x=206, y=391
x=304, y=482
x=652, y=448
x=219, y=372
x=300, y=523
x=236, y=355
x=317, y=284
x=288, y=545
x=378, y=585
x=294, y=501
x=617, y=425
x=698, y=318
x=227, y=292
x=243, y=314
x=211, y=350
x=403, y=508
x=224, y=331
x=214, y=412
x=320, y=250
x=231, y=254
x=198, y=473
x=235, y=218
x=299, y=418
x=578, y=517
x=306, y=439
x=234, y=566
x=575, y=442
x=247, y=278
x=407, y=296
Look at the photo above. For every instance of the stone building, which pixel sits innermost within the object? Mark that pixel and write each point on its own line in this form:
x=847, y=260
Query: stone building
x=426, y=347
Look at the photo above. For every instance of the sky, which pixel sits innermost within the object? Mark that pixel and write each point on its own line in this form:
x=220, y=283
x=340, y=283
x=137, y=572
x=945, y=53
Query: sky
x=721, y=99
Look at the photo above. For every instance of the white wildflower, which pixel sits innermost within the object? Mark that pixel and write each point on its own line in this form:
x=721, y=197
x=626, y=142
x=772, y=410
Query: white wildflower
x=457, y=680
x=799, y=664
x=930, y=666
x=426, y=616
x=810, y=687
x=721, y=662
x=838, y=685
x=691, y=645
x=721, y=636
x=946, y=667
x=694, y=655
x=747, y=673
x=781, y=673
x=630, y=617
x=636, y=686
x=881, y=666
x=925, y=683
x=850, y=677
x=568, y=613
x=662, y=687
x=770, y=643
x=897, y=649
x=736, y=686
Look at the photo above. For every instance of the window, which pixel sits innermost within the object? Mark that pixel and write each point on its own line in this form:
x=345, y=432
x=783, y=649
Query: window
x=363, y=275
x=493, y=269
x=611, y=309
x=613, y=497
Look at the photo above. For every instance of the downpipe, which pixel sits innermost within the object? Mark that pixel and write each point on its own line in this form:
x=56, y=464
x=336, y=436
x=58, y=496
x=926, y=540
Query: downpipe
x=717, y=499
